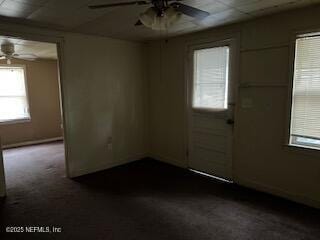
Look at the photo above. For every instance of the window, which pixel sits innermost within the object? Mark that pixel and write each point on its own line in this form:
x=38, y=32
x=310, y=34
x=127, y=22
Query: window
x=305, y=115
x=13, y=97
x=211, y=76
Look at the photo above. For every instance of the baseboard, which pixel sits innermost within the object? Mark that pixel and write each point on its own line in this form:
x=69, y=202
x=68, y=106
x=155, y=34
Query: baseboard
x=105, y=166
x=278, y=192
x=253, y=185
x=27, y=143
x=171, y=161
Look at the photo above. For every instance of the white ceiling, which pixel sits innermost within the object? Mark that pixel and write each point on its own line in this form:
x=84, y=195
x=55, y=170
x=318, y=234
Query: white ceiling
x=41, y=49
x=118, y=22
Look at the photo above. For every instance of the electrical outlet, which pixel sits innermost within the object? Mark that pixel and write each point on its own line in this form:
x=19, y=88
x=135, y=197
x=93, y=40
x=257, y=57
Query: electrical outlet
x=109, y=143
x=109, y=146
x=246, y=102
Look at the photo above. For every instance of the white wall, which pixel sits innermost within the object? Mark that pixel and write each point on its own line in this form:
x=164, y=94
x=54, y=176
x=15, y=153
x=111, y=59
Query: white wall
x=103, y=89
x=106, y=94
x=260, y=158
x=105, y=97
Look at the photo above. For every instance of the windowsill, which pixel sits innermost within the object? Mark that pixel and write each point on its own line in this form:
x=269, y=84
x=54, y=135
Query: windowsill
x=303, y=149
x=15, y=121
x=209, y=110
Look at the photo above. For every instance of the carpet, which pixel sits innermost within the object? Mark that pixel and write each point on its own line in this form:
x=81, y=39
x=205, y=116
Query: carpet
x=143, y=200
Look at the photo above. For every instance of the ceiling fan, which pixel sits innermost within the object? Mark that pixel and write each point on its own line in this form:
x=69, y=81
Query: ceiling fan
x=8, y=53
x=162, y=13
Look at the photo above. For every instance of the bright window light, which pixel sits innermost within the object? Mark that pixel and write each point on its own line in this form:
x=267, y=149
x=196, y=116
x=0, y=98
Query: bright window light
x=211, y=77
x=305, y=116
x=13, y=96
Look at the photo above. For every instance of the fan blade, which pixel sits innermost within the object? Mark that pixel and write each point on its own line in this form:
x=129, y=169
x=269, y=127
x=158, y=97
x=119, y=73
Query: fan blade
x=190, y=11
x=138, y=23
x=26, y=56
x=119, y=4
x=26, y=59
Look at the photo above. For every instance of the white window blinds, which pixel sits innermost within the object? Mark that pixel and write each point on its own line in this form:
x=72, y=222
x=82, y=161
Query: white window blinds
x=305, y=117
x=13, y=97
x=211, y=73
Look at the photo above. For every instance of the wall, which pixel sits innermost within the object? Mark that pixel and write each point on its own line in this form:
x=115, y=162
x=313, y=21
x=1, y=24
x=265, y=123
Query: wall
x=105, y=93
x=104, y=97
x=44, y=104
x=261, y=159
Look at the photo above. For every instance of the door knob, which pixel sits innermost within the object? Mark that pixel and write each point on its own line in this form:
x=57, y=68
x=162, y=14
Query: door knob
x=230, y=121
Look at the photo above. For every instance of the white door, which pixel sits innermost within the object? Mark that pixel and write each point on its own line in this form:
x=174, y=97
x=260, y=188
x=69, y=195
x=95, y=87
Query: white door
x=210, y=108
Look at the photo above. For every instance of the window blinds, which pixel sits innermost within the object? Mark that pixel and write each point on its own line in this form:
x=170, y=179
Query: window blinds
x=305, y=117
x=13, y=99
x=211, y=70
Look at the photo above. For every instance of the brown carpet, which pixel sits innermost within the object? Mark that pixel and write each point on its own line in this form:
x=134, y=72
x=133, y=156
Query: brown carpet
x=145, y=200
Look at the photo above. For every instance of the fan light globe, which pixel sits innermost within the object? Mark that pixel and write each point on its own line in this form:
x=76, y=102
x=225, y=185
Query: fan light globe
x=147, y=18
x=7, y=48
x=151, y=19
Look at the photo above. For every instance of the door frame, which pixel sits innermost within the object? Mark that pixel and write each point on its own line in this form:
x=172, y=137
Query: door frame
x=233, y=41
x=58, y=39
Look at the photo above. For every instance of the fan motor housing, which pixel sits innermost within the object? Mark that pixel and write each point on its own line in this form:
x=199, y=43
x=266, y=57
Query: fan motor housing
x=7, y=49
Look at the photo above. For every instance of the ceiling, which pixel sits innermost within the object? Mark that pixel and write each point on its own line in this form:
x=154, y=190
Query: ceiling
x=41, y=49
x=118, y=22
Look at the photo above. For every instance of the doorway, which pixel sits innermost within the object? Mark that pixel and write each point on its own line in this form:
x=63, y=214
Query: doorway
x=211, y=107
x=31, y=115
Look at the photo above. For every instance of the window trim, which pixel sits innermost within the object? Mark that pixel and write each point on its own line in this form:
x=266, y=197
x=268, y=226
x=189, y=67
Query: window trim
x=304, y=149
x=310, y=145
x=19, y=120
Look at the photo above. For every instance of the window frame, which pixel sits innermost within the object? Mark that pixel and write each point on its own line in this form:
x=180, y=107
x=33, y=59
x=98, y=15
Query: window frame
x=19, y=120
x=304, y=149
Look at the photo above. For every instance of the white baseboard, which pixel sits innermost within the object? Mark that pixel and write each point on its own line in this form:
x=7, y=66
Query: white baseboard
x=105, y=166
x=253, y=185
x=27, y=143
x=278, y=192
x=168, y=160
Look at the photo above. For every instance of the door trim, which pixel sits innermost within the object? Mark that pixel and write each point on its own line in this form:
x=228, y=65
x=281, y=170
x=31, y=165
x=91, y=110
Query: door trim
x=58, y=39
x=233, y=41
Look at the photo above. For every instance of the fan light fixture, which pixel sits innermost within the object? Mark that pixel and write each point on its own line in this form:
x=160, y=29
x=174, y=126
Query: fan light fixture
x=9, y=50
x=153, y=20
x=8, y=53
x=162, y=14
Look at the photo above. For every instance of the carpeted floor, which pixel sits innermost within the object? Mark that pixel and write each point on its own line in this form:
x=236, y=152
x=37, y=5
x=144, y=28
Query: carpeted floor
x=145, y=200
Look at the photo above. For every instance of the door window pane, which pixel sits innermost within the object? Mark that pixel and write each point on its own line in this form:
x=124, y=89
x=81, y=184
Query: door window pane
x=211, y=76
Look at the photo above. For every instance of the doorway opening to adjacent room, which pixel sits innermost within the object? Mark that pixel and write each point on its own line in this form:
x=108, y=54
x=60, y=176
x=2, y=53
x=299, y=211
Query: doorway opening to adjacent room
x=31, y=110
x=210, y=107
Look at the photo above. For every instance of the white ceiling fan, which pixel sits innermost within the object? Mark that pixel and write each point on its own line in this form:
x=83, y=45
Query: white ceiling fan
x=161, y=14
x=8, y=53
